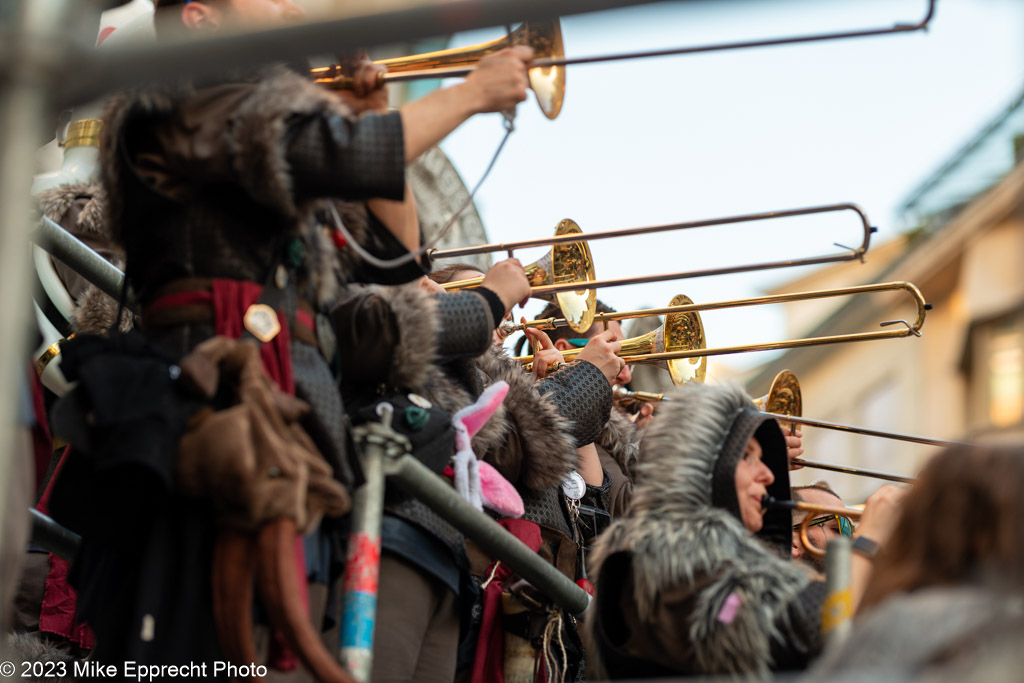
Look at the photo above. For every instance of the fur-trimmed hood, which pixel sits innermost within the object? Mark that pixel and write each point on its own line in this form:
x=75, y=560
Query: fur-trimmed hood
x=35, y=648
x=676, y=536
x=547, y=448
x=253, y=143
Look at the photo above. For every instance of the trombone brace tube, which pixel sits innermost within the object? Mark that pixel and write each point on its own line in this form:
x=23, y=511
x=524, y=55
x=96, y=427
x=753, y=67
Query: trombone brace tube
x=416, y=479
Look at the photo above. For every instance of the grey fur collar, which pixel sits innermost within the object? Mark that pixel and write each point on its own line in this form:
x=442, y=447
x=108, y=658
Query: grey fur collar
x=621, y=439
x=676, y=537
x=548, y=448
x=34, y=647
x=445, y=391
x=910, y=633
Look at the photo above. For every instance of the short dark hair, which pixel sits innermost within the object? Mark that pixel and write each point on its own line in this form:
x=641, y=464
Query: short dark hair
x=553, y=311
x=795, y=494
x=447, y=273
x=819, y=485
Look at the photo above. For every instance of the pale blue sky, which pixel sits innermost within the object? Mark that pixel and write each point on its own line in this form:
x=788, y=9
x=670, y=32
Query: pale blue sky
x=681, y=138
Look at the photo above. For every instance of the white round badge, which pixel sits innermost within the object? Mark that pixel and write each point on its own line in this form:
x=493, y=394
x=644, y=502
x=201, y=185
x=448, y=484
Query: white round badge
x=573, y=486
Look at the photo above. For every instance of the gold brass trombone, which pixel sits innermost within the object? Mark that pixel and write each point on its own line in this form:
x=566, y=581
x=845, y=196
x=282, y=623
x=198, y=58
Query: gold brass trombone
x=624, y=395
x=682, y=331
x=813, y=511
x=571, y=265
x=565, y=262
x=784, y=402
x=546, y=80
x=850, y=253
x=550, y=59
x=906, y=330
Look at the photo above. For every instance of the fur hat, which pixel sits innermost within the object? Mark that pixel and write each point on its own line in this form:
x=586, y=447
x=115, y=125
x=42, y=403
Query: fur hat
x=751, y=423
x=694, y=446
x=683, y=531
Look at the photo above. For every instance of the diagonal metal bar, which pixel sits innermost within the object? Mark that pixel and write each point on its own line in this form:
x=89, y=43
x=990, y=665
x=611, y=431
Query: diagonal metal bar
x=456, y=71
x=96, y=73
x=485, y=532
x=79, y=256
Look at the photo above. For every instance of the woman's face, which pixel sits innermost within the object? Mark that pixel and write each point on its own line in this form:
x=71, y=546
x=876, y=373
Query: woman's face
x=752, y=481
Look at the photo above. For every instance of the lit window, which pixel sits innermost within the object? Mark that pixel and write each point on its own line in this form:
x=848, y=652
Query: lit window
x=1006, y=377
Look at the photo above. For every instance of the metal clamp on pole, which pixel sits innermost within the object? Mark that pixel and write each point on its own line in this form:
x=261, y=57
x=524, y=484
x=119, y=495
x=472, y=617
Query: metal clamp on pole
x=377, y=440
x=415, y=478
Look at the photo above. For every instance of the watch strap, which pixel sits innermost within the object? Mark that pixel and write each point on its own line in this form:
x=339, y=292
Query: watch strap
x=865, y=546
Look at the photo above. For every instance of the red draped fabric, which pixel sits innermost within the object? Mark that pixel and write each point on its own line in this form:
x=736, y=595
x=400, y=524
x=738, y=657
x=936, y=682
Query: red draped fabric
x=489, y=662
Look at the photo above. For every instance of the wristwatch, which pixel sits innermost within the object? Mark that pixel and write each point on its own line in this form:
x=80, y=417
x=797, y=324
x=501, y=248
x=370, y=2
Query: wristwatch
x=865, y=546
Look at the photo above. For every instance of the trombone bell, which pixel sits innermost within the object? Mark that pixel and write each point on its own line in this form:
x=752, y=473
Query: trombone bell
x=683, y=332
x=571, y=263
x=566, y=263
x=545, y=37
x=783, y=397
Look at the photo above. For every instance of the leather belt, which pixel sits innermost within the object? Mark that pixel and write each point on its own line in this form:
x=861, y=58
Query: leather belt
x=189, y=301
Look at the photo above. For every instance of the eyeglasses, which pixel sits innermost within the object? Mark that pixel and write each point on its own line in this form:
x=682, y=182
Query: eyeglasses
x=845, y=525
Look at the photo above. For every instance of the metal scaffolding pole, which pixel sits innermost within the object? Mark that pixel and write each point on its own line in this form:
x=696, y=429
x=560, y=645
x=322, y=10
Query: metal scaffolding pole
x=31, y=55
x=413, y=476
x=95, y=73
x=79, y=256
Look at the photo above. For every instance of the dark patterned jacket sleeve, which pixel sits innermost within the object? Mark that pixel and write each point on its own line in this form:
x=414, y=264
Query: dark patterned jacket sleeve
x=337, y=156
x=392, y=335
x=465, y=323
x=582, y=395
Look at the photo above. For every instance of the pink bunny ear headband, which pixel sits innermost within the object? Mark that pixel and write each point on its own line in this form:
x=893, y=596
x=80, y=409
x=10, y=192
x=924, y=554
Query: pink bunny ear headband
x=477, y=482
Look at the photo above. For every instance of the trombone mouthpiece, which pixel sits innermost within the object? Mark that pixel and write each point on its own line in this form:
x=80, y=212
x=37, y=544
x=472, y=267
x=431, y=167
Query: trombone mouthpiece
x=773, y=502
x=508, y=328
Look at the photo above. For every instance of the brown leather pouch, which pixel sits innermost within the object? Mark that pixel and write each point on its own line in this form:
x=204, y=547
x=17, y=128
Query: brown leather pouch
x=253, y=458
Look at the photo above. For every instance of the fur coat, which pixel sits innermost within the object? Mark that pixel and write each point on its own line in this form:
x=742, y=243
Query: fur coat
x=941, y=633
x=222, y=180
x=694, y=576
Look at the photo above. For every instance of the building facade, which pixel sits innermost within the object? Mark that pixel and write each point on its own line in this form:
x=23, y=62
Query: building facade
x=964, y=378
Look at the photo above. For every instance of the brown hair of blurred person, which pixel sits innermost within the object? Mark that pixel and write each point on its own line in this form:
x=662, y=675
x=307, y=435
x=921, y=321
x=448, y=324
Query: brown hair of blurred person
x=961, y=522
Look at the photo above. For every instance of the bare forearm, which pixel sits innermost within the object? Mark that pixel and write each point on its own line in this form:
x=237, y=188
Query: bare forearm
x=430, y=119
x=588, y=464
x=860, y=573
x=400, y=218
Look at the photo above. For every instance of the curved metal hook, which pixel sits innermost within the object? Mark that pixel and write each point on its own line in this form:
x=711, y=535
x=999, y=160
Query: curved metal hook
x=900, y=322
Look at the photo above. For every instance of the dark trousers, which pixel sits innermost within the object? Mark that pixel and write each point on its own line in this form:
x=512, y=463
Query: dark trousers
x=417, y=634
